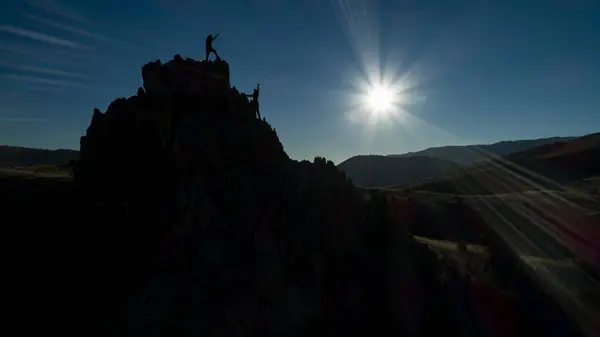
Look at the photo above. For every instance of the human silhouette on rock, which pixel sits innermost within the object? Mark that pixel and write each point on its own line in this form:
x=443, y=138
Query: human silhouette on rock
x=254, y=102
x=209, y=47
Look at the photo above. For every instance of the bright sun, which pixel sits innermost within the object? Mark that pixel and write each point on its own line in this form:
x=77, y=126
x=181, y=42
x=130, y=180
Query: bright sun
x=380, y=99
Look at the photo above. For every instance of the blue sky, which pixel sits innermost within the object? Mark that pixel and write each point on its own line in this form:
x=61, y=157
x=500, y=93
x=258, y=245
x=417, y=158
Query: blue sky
x=473, y=71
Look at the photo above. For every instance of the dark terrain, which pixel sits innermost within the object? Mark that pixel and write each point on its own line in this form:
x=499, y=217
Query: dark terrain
x=470, y=154
x=382, y=171
x=183, y=215
x=548, y=167
x=21, y=156
x=413, y=167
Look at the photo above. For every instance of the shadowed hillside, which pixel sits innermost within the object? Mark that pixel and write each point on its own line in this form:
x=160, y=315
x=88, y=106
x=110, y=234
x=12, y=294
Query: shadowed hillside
x=18, y=156
x=381, y=171
x=412, y=167
x=549, y=166
x=469, y=154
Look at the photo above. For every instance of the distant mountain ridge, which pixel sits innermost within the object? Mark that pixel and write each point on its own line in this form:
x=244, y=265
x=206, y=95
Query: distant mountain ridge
x=547, y=166
x=19, y=156
x=412, y=167
x=469, y=154
x=381, y=171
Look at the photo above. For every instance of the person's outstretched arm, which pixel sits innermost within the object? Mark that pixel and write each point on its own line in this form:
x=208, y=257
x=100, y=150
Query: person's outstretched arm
x=216, y=36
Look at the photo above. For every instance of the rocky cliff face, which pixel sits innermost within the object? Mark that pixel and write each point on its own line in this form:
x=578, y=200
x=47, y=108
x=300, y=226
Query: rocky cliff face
x=186, y=76
x=188, y=189
x=186, y=123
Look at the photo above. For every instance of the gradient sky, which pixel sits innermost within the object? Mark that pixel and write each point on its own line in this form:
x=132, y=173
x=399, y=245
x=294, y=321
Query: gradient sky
x=477, y=71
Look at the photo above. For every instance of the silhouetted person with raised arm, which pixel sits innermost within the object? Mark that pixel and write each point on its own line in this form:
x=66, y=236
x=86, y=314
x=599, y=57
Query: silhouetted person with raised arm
x=254, y=96
x=209, y=47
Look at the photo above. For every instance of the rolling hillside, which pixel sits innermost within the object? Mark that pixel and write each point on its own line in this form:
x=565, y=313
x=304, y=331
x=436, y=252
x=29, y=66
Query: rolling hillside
x=547, y=167
x=380, y=171
x=19, y=156
x=412, y=167
x=470, y=154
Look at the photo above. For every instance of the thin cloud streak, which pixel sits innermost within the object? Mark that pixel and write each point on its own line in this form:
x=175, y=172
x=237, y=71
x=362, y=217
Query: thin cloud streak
x=32, y=79
x=42, y=70
x=42, y=52
x=68, y=28
x=45, y=89
x=23, y=119
x=82, y=32
x=10, y=94
x=45, y=56
x=42, y=37
x=12, y=49
x=58, y=9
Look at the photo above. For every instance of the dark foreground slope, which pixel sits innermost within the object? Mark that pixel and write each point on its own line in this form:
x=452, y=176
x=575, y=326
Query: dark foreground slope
x=381, y=171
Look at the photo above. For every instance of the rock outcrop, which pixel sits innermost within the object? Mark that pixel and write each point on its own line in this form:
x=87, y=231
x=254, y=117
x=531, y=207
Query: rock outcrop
x=186, y=76
x=190, y=190
x=186, y=118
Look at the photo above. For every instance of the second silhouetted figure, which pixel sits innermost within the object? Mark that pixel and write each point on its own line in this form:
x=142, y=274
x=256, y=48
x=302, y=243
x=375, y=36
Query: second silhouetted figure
x=254, y=102
x=209, y=47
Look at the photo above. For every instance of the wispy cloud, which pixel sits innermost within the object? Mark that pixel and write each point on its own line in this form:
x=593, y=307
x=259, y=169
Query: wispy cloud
x=32, y=79
x=82, y=32
x=42, y=37
x=8, y=94
x=68, y=28
x=23, y=119
x=46, y=89
x=55, y=56
x=70, y=13
x=42, y=70
x=41, y=52
x=13, y=49
x=58, y=9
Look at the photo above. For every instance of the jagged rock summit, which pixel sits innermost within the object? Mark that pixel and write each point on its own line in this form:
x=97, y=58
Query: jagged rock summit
x=185, y=75
x=183, y=185
x=186, y=117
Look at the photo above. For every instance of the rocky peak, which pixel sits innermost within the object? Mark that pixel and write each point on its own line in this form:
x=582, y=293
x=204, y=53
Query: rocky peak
x=185, y=119
x=185, y=171
x=185, y=75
